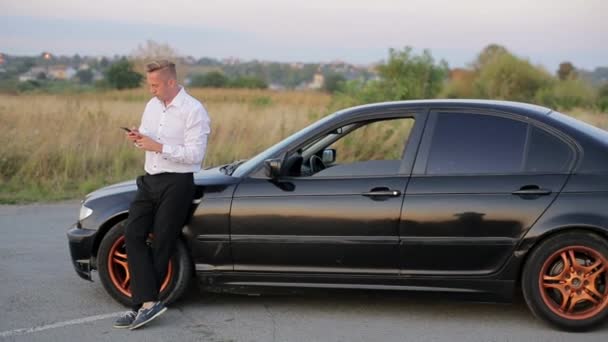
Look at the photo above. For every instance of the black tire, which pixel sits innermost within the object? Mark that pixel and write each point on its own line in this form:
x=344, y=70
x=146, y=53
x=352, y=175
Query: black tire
x=547, y=260
x=178, y=281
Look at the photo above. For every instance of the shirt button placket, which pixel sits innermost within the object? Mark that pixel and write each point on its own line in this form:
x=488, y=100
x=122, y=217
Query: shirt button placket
x=160, y=128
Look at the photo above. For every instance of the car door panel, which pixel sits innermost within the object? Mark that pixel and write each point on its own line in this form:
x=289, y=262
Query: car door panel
x=311, y=225
x=208, y=230
x=332, y=222
x=469, y=224
x=443, y=217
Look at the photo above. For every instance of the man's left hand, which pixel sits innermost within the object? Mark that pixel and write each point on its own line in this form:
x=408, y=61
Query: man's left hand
x=148, y=144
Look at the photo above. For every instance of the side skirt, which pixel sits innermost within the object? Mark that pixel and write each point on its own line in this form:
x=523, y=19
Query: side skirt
x=476, y=289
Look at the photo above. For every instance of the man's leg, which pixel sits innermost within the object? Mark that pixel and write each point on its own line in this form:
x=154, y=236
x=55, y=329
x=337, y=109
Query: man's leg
x=172, y=208
x=139, y=225
x=171, y=215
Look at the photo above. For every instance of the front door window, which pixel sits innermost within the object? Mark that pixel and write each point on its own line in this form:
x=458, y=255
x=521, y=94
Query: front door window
x=360, y=149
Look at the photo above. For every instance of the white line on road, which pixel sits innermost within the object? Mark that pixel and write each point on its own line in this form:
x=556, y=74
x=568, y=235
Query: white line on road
x=24, y=331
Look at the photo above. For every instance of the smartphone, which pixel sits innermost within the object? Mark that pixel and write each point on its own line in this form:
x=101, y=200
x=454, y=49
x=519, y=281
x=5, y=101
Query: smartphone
x=126, y=129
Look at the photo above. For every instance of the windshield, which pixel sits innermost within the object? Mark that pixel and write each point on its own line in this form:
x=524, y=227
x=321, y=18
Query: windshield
x=276, y=148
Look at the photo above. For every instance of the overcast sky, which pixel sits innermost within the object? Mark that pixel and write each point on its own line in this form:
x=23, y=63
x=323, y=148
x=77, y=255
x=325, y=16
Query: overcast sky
x=546, y=32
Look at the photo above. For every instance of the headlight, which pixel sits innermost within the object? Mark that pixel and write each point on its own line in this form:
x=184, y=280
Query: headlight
x=84, y=213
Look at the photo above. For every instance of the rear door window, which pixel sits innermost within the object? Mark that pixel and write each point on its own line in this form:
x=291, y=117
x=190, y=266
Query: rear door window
x=466, y=143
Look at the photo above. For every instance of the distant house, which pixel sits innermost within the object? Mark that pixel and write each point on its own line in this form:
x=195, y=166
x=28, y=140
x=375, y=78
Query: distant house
x=61, y=72
x=97, y=75
x=276, y=86
x=33, y=74
x=189, y=60
x=231, y=61
x=373, y=68
x=57, y=72
x=337, y=63
x=26, y=77
x=318, y=81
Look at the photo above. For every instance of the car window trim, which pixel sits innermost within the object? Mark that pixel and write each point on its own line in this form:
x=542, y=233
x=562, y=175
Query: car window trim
x=575, y=148
x=419, y=114
x=421, y=162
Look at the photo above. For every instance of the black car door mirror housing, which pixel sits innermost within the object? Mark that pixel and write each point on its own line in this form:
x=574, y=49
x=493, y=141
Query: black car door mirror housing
x=272, y=168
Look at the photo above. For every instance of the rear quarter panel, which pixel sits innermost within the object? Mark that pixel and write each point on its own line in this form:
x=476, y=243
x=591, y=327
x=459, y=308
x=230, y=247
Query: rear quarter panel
x=582, y=204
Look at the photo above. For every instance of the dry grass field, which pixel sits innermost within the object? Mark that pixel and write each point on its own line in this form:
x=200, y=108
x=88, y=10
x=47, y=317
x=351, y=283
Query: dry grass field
x=63, y=146
x=57, y=147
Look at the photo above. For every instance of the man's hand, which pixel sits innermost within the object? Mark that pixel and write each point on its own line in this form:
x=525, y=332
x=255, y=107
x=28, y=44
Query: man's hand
x=148, y=144
x=133, y=135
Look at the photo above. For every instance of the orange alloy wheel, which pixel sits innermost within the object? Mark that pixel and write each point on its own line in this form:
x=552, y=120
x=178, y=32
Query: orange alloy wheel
x=573, y=282
x=119, y=271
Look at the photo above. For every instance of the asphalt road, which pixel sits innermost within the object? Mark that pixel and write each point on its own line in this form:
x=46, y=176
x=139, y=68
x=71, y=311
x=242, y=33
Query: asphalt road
x=42, y=299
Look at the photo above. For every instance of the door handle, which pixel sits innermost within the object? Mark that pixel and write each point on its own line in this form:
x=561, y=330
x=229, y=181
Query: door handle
x=382, y=192
x=532, y=190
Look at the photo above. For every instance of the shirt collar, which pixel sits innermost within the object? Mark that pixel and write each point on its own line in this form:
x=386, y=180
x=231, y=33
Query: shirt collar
x=178, y=100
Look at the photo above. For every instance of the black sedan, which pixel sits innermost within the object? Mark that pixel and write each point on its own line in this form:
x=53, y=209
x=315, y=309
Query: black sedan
x=468, y=197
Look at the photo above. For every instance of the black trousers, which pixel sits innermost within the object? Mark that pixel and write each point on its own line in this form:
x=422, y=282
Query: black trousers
x=160, y=207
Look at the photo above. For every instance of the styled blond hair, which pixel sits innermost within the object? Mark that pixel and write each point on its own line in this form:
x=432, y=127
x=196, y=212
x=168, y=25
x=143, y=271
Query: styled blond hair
x=162, y=65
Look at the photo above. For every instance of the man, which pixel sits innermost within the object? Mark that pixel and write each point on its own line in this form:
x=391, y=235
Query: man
x=173, y=133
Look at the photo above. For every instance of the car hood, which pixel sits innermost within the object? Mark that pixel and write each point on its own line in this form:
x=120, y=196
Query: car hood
x=212, y=176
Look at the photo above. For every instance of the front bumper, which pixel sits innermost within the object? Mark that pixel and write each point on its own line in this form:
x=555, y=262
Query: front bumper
x=81, y=247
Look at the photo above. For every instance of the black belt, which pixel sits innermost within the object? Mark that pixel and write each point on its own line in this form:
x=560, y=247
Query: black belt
x=169, y=173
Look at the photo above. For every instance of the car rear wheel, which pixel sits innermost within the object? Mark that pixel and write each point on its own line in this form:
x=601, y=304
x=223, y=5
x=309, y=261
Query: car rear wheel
x=565, y=280
x=112, y=265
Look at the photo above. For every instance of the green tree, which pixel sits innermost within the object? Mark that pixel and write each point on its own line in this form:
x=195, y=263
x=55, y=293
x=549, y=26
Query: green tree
x=507, y=77
x=567, y=94
x=104, y=63
x=602, y=97
x=121, y=75
x=488, y=54
x=213, y=79
x=250, y=82
x=566, y=71
x=76, y=60
x=404, y=76
x=30, y=85
x=333, y=82
x=85, y=76
x=460, y=84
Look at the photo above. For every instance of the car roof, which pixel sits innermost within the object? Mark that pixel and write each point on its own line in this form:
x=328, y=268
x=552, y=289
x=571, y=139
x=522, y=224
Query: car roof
x=592, y=140
x=510, y=106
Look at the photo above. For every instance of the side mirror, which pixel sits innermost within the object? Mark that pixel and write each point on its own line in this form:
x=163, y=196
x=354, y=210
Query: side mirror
x=272, y=168
x=329, y=156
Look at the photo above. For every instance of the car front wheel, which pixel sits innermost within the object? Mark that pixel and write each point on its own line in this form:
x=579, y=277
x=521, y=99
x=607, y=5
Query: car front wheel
x=565, y=280
x=112, y=265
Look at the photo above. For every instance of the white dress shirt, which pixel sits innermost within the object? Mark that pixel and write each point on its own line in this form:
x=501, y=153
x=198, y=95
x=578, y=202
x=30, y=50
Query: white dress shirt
x=182, y=128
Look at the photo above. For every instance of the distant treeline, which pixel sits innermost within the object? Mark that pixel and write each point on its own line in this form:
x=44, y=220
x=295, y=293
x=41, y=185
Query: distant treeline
x=217, y=79
x=496, y=73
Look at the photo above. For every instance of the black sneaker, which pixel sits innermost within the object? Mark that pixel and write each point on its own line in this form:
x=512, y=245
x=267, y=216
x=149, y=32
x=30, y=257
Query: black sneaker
x=146, y=315
x=125, y=320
